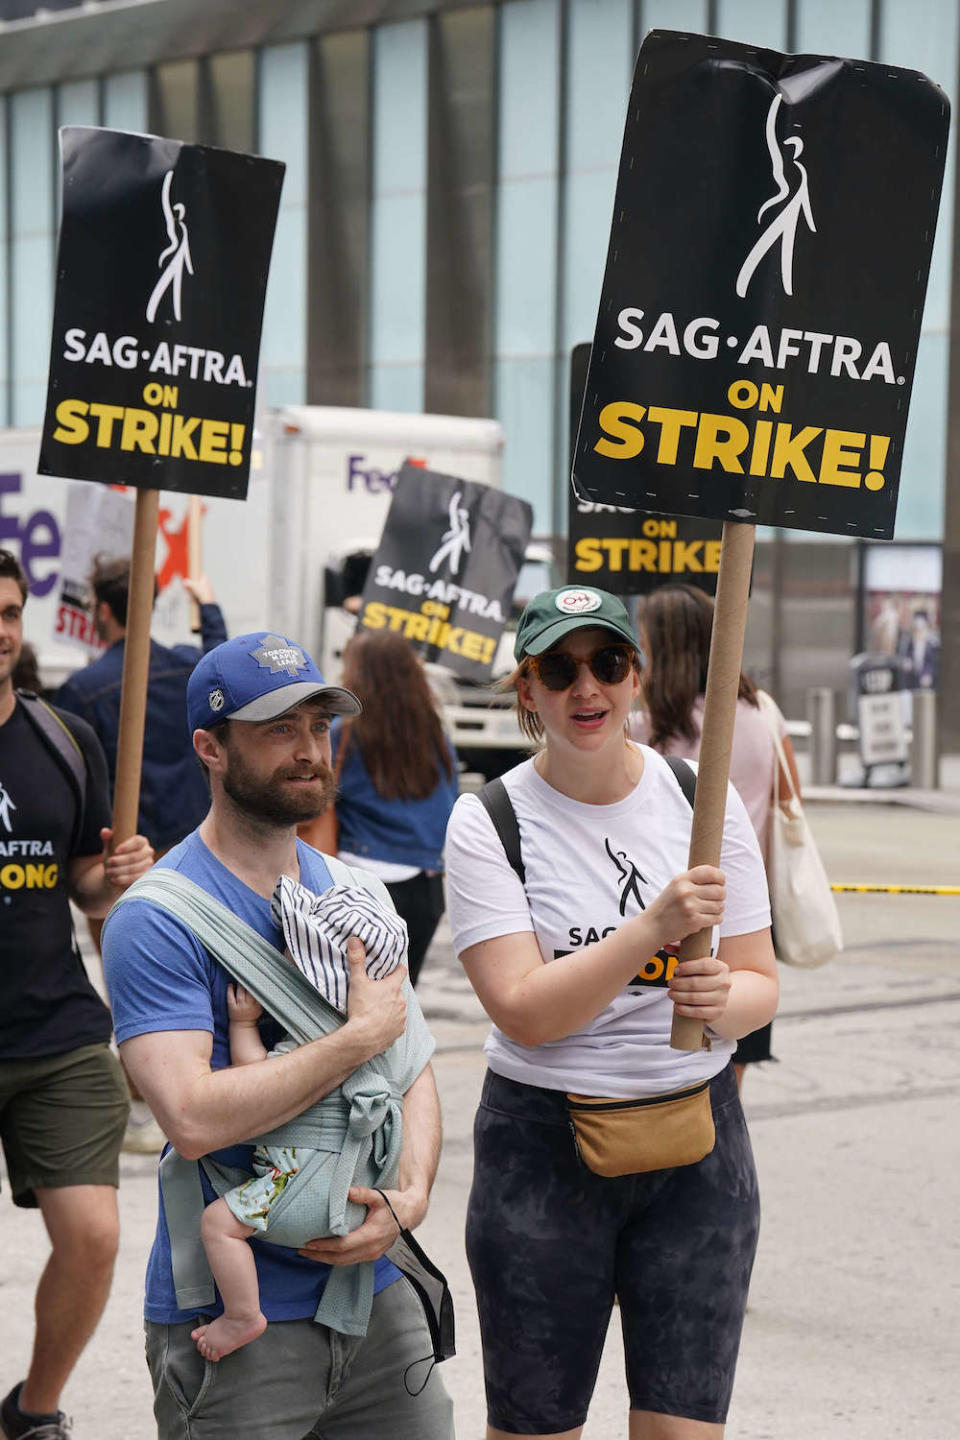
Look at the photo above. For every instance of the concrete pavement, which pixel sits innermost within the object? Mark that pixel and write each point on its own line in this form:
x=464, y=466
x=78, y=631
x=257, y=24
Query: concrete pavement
x=852, y=1327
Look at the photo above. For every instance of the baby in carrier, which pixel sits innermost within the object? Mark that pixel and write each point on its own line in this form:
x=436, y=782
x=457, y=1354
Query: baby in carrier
x=322, y=933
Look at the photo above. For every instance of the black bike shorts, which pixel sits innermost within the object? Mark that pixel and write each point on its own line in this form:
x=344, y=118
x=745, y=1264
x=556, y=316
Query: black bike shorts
x=550, y=1244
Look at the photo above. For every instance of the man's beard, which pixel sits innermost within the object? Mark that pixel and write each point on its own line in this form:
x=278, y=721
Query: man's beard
x=268, y=801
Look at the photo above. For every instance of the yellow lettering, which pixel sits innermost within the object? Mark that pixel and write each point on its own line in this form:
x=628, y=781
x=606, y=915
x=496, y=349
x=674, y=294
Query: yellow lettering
x=418, y=627
x=72, y=428
x=616, y=548
x=588, y=555
x=671, y=422
x=743, y=394
x=627, y=438
x=643, y=555
x=374, y=616
x=106, y=415
x=759, y=455
x=842, y=450
x=685, y=555
x=788, y=450
x=723, y=438
x=139, y=431
x=213, y=441
x=181, y=442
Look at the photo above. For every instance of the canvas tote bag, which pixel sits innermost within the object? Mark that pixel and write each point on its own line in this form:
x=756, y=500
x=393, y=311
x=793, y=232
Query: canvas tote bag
x=806, y=924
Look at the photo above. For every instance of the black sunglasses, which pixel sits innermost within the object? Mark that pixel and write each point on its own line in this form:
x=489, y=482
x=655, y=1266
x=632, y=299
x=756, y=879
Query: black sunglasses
x=557, y=670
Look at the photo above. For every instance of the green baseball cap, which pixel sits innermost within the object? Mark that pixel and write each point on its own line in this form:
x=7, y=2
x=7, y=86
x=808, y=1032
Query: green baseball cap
x=550, y=616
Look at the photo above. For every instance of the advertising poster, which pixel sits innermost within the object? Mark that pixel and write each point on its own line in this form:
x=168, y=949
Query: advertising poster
x=757, y=334
x=161, y=276
x=446, y=567
x=902, y=610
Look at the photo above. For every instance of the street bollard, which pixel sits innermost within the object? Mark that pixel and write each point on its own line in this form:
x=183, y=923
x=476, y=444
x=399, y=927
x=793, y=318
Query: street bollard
x=821, y=713
x=924, y=753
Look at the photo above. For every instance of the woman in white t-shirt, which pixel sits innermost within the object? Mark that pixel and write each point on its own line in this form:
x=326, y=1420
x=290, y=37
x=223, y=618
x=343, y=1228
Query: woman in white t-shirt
x=676, y=624
x=576, y=966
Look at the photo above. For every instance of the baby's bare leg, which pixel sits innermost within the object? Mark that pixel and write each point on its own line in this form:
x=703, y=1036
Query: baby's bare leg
x=235, y=1271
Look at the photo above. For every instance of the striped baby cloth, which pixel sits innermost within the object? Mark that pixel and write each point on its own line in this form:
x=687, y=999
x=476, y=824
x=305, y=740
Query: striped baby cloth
x=317, y=928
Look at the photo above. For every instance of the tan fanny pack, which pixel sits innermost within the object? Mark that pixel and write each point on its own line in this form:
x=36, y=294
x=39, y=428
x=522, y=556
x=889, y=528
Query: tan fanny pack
x=628, y=1137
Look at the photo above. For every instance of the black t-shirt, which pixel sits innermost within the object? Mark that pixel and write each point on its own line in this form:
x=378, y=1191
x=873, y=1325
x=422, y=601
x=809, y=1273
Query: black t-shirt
x=47, y=1004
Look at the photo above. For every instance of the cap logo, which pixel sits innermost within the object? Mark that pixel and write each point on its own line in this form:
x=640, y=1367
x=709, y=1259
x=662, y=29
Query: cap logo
x=215, y=700
x=276, y=654
x=578, y=602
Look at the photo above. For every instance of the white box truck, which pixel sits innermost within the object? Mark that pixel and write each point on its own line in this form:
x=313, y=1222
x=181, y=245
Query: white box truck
x=319, y=493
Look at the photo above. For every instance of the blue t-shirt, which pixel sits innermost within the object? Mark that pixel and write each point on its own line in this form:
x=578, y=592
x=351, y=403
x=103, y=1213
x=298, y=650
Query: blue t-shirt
x=160, y=977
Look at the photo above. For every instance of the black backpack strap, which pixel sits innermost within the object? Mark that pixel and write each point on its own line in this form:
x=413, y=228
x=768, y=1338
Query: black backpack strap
x=685, y=776
x=62, y=744
x=498, y=805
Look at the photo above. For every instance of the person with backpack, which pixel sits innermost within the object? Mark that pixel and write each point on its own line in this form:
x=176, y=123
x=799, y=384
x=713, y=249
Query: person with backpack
x=63, y=1099
x=607, y=1164
x=173, y=794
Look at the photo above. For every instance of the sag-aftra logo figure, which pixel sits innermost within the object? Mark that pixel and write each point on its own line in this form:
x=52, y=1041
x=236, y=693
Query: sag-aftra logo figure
x=176, y=254
x=783, y=226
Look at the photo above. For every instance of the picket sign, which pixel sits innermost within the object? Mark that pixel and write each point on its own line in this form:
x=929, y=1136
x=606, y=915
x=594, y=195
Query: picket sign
x=195, y=554
x=755, y=348
x=162, y=267
x=444, y=572
x=136, y=667
x=719, y=715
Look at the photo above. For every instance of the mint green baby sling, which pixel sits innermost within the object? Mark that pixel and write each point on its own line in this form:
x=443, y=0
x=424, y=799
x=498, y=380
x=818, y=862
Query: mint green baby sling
x=354, y=1133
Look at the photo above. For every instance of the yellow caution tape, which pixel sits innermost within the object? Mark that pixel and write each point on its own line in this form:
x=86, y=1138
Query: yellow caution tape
x=898, y=889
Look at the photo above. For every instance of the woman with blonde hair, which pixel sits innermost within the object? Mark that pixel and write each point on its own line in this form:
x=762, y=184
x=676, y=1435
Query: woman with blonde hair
x=567, y=925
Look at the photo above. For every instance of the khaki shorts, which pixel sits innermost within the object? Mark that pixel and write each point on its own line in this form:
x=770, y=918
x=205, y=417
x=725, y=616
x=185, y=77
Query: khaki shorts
x=301, y=1381
x=62, y=1119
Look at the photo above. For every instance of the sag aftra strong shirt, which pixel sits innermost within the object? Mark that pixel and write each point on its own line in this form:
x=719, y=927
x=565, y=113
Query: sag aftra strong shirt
x=47, y=1004
x=588, y=869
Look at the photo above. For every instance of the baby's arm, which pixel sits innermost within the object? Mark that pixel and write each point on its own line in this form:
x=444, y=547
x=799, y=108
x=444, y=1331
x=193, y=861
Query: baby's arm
x=246, y=1047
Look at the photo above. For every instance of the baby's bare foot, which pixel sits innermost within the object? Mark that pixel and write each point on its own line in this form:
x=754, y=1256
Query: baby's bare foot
x=225, y=1334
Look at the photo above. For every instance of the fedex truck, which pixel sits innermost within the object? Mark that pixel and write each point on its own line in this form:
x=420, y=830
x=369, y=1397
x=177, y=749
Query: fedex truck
x=287, y=558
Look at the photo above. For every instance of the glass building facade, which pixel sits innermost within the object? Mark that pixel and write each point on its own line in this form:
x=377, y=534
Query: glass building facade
x=443, y=226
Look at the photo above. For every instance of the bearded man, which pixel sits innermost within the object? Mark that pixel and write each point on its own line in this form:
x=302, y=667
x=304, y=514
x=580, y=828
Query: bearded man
x=260, y=713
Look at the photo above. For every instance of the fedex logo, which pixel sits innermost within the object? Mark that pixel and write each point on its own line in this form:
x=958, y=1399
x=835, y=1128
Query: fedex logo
x=38, y=536
x=370, y=480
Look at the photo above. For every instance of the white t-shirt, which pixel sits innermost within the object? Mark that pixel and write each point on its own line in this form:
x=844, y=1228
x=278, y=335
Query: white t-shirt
x=588, y=868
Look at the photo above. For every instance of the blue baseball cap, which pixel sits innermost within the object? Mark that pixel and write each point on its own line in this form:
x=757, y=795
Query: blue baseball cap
x=258, y=677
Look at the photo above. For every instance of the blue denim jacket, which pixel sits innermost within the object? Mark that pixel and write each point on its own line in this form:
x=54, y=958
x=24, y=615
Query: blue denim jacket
x=173, y=791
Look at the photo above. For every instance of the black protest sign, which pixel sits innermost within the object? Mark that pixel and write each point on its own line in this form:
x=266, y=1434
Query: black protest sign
x=161, y=276
x=444, y=573
x=760, y=314
x=625, y=551
x=630, y=553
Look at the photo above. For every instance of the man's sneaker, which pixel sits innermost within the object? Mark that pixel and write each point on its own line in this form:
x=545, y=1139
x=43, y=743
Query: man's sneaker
x=143, y=1135
x=17, y=1426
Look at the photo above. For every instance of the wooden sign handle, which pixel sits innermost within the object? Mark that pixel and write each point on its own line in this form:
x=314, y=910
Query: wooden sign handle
x=136, y=666
x=195, y=554
x=719, y=714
